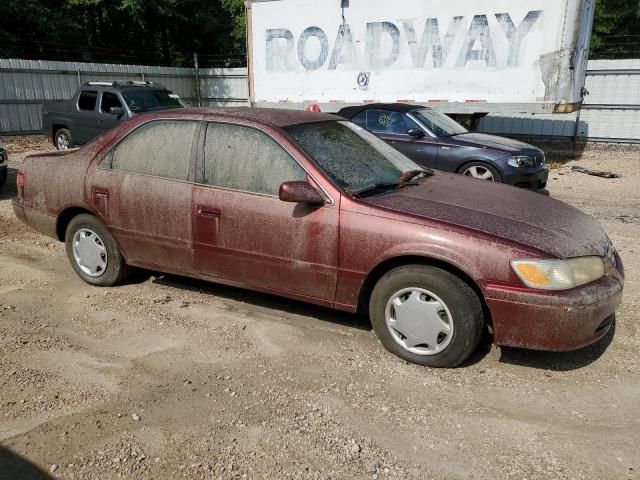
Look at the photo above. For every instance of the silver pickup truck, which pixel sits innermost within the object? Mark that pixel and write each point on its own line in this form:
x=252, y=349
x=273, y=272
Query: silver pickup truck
x=99, y=106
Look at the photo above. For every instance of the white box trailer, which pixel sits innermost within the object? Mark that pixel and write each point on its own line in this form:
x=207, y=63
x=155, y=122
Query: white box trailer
x=459, y=56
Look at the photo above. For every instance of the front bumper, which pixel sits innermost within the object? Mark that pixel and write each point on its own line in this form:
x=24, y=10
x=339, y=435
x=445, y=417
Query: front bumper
x=556, y=321
x=529, y=178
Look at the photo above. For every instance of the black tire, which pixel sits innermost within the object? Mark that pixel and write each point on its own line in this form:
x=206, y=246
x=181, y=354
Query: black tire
x=463, y=304
x=3, y=177
x=65, y=133
x=497, y=177
x=116, y=270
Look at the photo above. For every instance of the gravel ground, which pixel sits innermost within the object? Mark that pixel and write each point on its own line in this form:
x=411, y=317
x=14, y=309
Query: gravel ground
x=173, y=378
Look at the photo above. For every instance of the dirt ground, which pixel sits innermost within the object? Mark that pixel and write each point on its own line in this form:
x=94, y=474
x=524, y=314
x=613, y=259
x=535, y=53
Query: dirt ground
x=173, y=378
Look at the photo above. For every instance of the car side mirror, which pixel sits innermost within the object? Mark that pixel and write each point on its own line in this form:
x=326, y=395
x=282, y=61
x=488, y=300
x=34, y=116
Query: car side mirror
x=300, y=192
x=415, y=133
x=117, y=111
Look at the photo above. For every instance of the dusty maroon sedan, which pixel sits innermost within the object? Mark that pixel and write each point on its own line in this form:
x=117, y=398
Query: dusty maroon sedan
x=310, y=207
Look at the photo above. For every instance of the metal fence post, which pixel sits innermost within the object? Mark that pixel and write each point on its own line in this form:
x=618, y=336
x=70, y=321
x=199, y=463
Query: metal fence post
x=195, y=63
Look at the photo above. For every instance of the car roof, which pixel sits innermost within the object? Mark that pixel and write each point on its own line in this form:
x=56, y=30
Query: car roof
x=350, y=112
x=278, y=117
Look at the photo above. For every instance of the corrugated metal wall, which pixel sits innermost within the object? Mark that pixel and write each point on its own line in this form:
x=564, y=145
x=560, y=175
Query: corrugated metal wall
x=26, y=84
x=611, y=111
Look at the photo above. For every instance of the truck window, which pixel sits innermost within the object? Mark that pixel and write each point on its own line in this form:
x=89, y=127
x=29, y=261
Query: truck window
x=160, y=148
x=246, y=159
x=109, y=100
x=87, y=100
x=145, y=100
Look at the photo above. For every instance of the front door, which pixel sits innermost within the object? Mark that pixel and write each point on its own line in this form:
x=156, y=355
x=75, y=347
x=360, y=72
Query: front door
x=86, y=125
x=142, y=190
x=244, y=233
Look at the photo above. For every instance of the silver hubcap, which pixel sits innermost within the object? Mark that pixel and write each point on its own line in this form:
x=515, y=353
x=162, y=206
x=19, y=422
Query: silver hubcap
x=479, y=172
x=63, y=142
x=419, y=321
x=89, y=252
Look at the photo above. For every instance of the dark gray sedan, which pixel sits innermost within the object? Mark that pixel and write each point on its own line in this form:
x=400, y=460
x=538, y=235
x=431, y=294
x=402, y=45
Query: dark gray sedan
x=433, y=140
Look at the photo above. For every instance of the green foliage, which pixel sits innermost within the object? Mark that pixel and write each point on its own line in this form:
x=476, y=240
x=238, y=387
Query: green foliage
x=148, y=32
x=616, y=29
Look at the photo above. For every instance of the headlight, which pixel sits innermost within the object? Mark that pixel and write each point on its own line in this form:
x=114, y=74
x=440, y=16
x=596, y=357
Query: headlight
x=558, y=274
x=521, y=161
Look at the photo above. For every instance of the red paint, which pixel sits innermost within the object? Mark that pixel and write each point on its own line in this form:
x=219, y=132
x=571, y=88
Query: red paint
x=325, y=253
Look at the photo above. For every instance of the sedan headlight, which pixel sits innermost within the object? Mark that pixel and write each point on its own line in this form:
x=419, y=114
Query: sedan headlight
x=521, y=161
x=558, y=274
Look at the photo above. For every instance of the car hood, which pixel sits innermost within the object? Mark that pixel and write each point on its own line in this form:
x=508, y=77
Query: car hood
x=531, y=219
x=508, y=145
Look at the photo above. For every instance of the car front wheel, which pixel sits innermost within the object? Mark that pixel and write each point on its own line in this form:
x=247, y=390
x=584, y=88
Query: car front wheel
x=94, y=253
x=426, y=315
x=481, y=171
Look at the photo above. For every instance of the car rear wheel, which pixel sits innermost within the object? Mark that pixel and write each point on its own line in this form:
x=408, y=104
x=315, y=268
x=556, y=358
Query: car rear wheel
x=63, y=139
x=426, y=315
x=481, y=171
x=93, y=252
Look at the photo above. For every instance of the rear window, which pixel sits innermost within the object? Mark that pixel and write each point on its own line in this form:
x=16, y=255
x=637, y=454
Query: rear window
x=144, y=100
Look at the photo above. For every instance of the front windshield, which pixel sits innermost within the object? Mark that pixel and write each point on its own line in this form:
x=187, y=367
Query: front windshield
x=140, y=101
x=352, y=157
x=439, y=123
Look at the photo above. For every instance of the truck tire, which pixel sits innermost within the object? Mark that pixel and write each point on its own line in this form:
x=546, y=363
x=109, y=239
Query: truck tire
x=62, y=139
x=94, y=253
x=426, y=315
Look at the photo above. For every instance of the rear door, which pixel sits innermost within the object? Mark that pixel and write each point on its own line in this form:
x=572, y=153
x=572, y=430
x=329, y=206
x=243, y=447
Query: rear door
x=86, y=125
x=244, y=233
x=142, y=190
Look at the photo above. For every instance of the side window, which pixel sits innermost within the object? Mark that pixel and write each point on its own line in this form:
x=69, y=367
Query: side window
x=243, y=158
x=360, y=119
x=160, y=148
x=109, y=100
x=87, y=100
x=386, y=121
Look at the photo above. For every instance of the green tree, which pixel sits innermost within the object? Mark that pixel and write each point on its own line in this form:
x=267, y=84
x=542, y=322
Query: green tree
x=616, y=29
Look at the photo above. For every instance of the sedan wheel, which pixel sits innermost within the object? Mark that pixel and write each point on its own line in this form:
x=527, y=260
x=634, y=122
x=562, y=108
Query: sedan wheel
x=426, y=315
x=480, y=172
x=89, y=252
x=94, y=253
x=419, y=321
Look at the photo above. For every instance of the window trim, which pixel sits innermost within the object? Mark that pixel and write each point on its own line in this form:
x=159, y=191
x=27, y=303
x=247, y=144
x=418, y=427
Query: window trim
x=192, y=156
x=200, y=162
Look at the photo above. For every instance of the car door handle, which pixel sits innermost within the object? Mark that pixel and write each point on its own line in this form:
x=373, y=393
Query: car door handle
x=445, y=148
x=205, y=211
x=101, y=193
